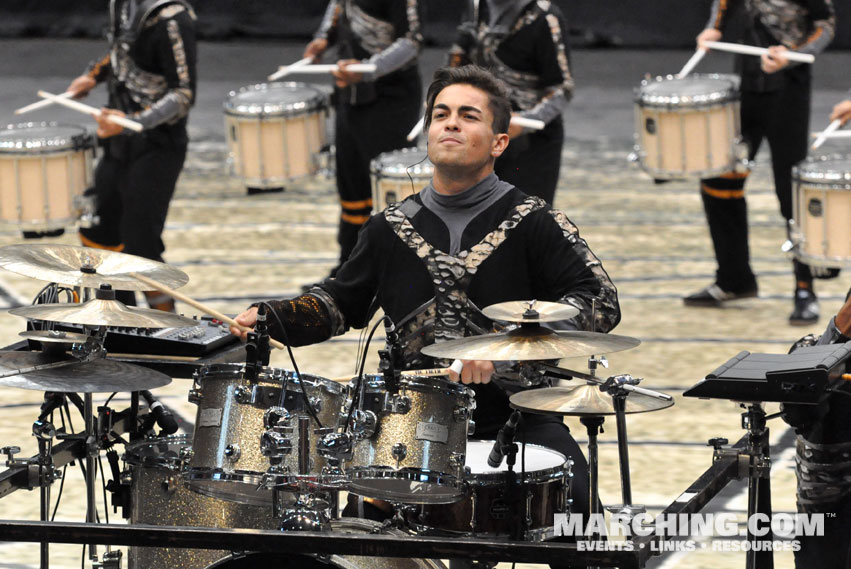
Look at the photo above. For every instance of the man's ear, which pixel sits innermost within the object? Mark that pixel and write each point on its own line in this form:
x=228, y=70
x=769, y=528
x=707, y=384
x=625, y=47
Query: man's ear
x=500, y=143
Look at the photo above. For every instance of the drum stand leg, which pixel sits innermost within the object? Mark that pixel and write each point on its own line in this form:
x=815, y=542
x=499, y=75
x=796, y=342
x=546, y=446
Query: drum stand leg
x=593, y=424
x=626, y=511
x=91, y=451
x=759, y=483
x=44, y=433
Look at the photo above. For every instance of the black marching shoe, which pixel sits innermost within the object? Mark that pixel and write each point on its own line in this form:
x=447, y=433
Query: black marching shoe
x=806, y=308
x=714, y=296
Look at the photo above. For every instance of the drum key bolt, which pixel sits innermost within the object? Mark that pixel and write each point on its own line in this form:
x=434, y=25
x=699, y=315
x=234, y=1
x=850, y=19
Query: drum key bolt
x=460, y=414
x=195, y=396
x=275, y=445
x=243, y=395
x=399, y=452
x=400, y=404
x=232, y=452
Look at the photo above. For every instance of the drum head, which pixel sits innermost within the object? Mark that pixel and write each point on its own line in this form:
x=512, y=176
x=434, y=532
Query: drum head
x=826, y=170
x=275, y=99
x=42, y=137
x=691, y=90
x=538, y=459
x=401, y=163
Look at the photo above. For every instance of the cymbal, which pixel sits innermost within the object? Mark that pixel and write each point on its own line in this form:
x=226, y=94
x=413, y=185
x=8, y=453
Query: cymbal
x=54, y=336
x=581, y=400
x=532, y=343
x=83, y=266
x=97, y=376
x=104, y=312
x=530, y=311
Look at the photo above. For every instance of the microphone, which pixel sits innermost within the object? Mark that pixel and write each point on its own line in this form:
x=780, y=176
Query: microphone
x=504, y=438
x=161, y=413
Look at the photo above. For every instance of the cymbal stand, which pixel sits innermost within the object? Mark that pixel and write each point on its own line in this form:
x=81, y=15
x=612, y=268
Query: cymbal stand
x=44, y=432
x=619, y=394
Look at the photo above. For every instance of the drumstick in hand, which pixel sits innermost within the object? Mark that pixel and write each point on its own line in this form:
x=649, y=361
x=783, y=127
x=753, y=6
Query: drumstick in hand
x=691, y=63
x=285, y=70
x=825, y=134
x=43, y=103
x=87, y=109
x=753, y=50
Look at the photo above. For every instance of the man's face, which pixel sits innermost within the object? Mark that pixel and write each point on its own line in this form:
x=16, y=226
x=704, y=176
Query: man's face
x=461, y=135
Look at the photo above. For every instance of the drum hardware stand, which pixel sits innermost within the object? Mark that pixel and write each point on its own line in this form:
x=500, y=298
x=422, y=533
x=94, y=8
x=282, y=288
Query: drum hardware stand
x=390, y=360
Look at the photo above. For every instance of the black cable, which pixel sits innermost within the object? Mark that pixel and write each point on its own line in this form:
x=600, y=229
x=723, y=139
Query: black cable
x=840, y=391
x=103, y=487
x=411, y=178
x=108, y=399
x=59, y=494
x=359, y=377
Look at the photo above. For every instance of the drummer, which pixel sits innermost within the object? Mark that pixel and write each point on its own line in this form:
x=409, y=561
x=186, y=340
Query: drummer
x=467, y=240
x=775, y=105
x=150, y=73
x=523, y=42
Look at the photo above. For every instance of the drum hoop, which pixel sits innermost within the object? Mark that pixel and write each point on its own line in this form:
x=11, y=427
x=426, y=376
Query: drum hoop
x=644, y=99
x=84, y=139
x=807, y=172
x=529, y=476
x=423, y=384
x=169, y=464
x=236, y=371
x=410, y=474
x=318, y=101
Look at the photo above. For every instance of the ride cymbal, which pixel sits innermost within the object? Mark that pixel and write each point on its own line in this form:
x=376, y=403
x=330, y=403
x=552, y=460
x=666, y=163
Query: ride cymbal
x=97, y=376
x=530, y=343
x=54, y=336
x=104, y=312
x=530, y=311
x=581, y=400
x=82, y=266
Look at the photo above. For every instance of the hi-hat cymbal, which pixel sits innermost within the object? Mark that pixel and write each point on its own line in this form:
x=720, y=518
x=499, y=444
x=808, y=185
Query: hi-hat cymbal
x=530, y=311
x=82, y=266
x=54, y=336
x=97, y=376
x=533, y=343
x=104, y=312
x=581, y=400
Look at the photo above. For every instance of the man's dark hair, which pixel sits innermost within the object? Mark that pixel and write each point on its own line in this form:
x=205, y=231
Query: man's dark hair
x=479, y=78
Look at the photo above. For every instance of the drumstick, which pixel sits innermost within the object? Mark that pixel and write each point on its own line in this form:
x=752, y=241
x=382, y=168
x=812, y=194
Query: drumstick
x=203, y=308
x=43, y=103
x=435, y=372
x=826, y=133
x=418, y=128
x=838, y=134
x=753, y=50
x=87, y=109
x=532, y=124
x=692, y=62
x=329, y=67
x=285, y=70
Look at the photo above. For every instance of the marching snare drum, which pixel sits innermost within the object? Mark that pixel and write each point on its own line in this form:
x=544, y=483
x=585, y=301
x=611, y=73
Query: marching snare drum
x=398, y=174
x=689, y=126
x=158, y=497
x=234, y=415
x=410, y=445
x=275, y=132
x=44, y=170
x=822, y=211
x=487, y=509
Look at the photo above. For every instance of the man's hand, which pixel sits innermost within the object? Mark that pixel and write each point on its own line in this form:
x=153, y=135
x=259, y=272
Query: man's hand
x=709, y=34
x=842, y=111
x=345, y=78
x=315, y=49
x=775, y=59
x=107, y=128
x=81, y=86
x=247, y=319
x=474, y=371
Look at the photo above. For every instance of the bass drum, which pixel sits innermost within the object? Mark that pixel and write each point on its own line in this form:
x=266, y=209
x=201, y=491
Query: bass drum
x=308, y=561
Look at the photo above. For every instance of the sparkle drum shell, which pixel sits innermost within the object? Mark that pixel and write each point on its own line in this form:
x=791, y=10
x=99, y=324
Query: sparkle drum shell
x=44, y=170
x=822, y=211
x=390, y=175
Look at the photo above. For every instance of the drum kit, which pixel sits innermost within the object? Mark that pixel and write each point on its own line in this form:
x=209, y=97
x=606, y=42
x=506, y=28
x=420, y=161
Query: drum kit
x=273, y=448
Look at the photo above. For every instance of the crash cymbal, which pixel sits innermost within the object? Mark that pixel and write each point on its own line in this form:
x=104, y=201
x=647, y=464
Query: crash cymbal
x=82, y=266
x=530, y=343
x=104, y=312
x=586, y=399
x=54, y=336
x=530, y=311
x=97, y=376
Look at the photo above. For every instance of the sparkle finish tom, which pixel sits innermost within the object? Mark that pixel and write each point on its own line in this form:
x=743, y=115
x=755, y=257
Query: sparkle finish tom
x=275, y=132
x=689, y=126
x=230, y=460
x=410, y=446
x=344, y=526
x=822, y=211
x=487, y=510
x=158, y=497
x=44, y=170
x=398, y=174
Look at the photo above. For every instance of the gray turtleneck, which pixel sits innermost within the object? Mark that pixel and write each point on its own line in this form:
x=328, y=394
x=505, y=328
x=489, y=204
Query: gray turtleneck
x=458, y=210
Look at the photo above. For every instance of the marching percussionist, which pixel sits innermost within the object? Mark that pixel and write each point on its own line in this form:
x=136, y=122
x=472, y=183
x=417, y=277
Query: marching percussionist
x=775, y=105
x=374, y=111
x=151, y=77
x=523, y=43
x=823, y=459
x=466, y=241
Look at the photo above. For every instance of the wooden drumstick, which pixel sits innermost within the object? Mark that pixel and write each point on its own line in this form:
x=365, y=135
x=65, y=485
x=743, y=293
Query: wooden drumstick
x=203, y=308
x=692, y=63
x=434, y=372
x=285, y=70
x=753, y=50
x=825, y=134
x=87, y=109
x=43, y=103
x=418, y=128
x=838, y=134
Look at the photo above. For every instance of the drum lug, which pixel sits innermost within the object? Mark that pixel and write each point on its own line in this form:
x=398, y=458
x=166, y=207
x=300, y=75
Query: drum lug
x=460, y=414
x=243, y=395
x=186, y=454
x=316, y=403
x=400, y=404
x=195, y=396
x=274, y=445
x=456, y=461
x=399, y=452
x=170, y=484
x=232, y=452
x=364, y=424
x=276, y=417
x=471, y=428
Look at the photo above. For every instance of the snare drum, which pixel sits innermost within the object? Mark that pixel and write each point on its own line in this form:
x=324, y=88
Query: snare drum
x=410, y=446
x=822, y=211
x=487, y=511
x=158, y=497
x=44, y=170
x=390, y=175
x=229, y=461
x=689, y=126
x=275, y=132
